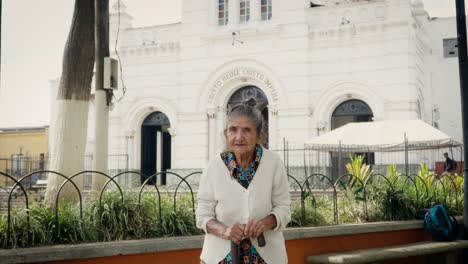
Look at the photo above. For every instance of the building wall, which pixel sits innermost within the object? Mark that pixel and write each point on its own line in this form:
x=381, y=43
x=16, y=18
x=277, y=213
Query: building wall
x=306, y=60
x=30, y=142
x=444, y=80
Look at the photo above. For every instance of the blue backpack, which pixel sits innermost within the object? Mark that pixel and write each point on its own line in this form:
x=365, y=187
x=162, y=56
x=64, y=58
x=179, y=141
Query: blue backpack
x=441, y=225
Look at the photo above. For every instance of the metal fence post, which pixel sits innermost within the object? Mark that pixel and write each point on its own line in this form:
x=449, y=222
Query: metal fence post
x=339, y=160
x=406, y=155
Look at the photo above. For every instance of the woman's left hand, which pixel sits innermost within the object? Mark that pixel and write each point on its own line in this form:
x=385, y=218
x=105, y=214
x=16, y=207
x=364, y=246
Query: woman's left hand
x=254, y=228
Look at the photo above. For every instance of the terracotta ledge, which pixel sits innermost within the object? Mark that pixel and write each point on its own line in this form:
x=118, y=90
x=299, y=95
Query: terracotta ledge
x=401, y=251
x=128, y=247
x=350, y=229
x=101, y=249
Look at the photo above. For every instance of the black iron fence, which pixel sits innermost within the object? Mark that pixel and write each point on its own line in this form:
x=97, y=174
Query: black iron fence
x=21, y=165
x=301, y=160
x=145, y=212
x=117, y=163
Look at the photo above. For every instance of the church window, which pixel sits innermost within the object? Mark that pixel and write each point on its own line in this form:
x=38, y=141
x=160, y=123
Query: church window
x=223, y=12
x=244, y=11
x=266, y=9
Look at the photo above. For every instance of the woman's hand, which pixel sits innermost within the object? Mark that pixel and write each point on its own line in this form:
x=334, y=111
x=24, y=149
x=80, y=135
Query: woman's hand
x=254, y=228
x=235, y=233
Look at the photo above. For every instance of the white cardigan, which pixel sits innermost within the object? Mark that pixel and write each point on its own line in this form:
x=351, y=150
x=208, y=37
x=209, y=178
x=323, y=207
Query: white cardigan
x=221, y=197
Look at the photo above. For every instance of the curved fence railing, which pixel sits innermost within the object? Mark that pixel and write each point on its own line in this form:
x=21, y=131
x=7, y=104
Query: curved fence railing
x=317, y=200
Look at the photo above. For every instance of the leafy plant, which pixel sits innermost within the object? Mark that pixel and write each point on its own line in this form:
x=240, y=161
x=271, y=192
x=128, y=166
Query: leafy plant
x=393, y=175
x=314, y=208
x=69, y=229
x=19, y=231
x=139, y=221
x=396, y=205
x=359, y=169
x=113, y=221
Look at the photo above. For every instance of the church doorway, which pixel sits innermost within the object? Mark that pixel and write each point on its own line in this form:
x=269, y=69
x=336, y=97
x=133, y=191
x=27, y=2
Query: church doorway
x=155, y=147
x=246, y=93
x=349, y=111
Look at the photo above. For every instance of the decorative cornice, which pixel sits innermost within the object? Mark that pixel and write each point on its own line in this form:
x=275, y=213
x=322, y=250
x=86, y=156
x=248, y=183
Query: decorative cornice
x=273, y=110
x=151, y=48
x=130, y=134
x=353, y=30
x=242, y=30
x=211, y=115
x=164, y=39
x=351, y=18
x=172, y=131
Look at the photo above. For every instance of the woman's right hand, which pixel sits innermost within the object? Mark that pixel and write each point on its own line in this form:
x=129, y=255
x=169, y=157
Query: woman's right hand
x=235, y=233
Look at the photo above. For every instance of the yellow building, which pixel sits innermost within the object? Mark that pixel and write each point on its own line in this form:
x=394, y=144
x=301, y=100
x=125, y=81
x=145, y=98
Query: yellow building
x=23, y=150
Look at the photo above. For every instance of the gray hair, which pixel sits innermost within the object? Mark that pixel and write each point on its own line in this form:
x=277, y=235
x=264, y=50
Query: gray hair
x=247, y=109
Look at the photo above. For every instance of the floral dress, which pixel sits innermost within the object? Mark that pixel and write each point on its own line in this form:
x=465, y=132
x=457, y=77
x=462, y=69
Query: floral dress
x=248, y=253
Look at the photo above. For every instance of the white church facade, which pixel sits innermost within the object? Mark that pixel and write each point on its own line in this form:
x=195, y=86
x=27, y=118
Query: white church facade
x=312, y=66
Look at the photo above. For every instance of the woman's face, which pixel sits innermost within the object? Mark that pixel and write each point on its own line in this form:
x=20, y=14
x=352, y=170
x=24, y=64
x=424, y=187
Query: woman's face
x=241, y=136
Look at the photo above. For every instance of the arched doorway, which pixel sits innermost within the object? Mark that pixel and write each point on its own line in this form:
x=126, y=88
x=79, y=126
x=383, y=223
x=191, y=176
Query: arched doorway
x=155, y=146
x=349, y=111
x=246, y=93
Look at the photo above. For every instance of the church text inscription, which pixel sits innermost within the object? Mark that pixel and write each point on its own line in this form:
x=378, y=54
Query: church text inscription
x=242, y=72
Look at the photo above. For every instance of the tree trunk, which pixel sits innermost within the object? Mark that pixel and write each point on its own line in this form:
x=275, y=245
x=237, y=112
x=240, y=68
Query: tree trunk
x=71, y=116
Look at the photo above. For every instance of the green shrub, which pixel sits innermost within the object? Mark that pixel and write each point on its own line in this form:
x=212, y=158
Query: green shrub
x=314, y=212
x=132, y=221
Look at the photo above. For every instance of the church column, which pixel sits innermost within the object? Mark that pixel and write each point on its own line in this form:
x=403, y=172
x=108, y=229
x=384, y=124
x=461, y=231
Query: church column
x=159, y=153
x=211, y=114
x=220, y=125
x=272, y=126
x=213, y=13
x=234, y=12
x=130, y=138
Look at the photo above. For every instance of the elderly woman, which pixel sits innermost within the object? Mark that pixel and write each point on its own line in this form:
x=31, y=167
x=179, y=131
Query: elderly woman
x=243, y=195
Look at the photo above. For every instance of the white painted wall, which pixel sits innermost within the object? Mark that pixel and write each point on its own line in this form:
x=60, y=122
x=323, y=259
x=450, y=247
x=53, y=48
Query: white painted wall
x=306, y=60
x=445, y=85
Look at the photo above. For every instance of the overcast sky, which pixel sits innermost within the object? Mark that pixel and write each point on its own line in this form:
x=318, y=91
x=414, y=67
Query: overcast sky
x=33, y=38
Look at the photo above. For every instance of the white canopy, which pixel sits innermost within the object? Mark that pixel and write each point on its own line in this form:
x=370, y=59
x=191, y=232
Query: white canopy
x=382, y=136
